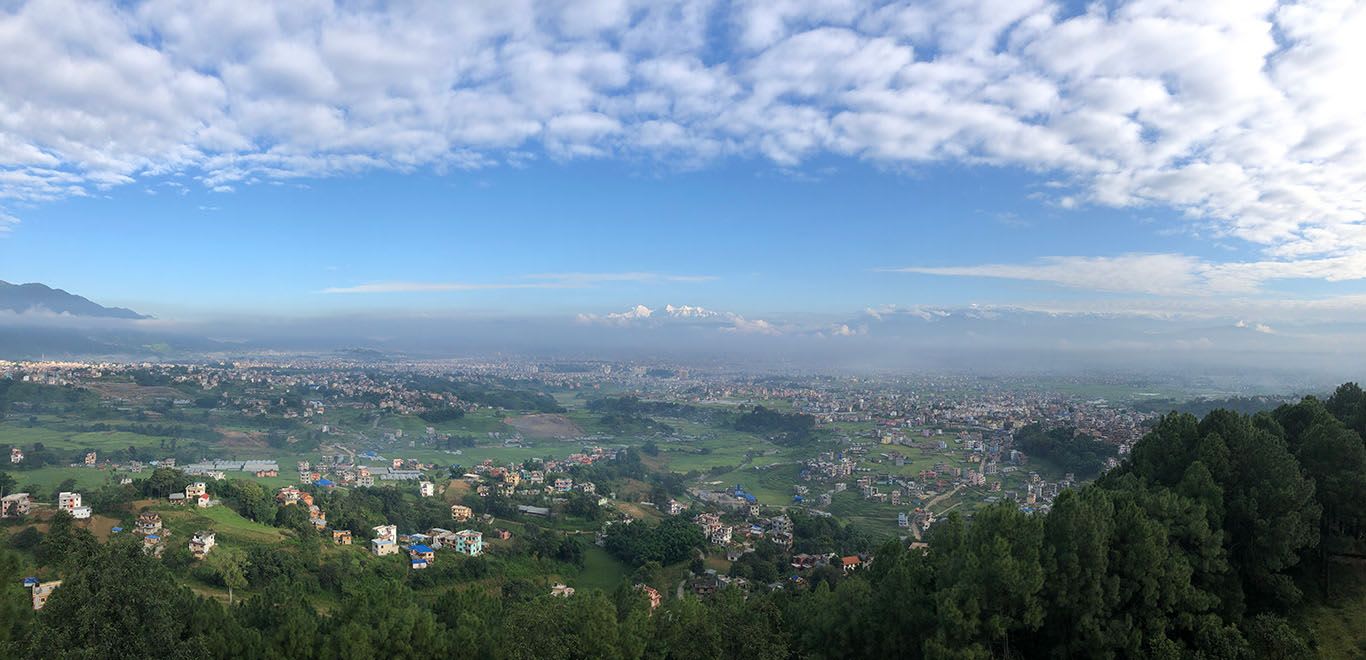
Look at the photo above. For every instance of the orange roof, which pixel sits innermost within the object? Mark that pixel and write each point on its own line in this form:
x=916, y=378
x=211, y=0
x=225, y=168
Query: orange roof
x=850, y=560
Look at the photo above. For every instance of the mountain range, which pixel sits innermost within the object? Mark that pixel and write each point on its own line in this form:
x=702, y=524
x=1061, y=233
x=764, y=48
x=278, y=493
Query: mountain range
x=20, y=298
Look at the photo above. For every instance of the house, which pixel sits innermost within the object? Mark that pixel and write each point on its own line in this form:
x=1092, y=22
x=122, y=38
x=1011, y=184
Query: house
x=201, y=543
x=288, y=495
x=195, y=490
x=469, y=542
x=850, y=563
x=202, y=501
x=721, y=535
x=148, y=524
x=589, y=488
x=16, y=455
x=81, y=513
x=176, y=498
x=502, y=534
x=42, y=591
x=705, y=585
x=533, y=510
x=560, y=590
x=564, y=485
x=418, y=563
x=267, y=473
x=68, y=501
x=151, y=544
x=675, y=507
x=90, y=458
x=652, y=594
x=386, y=532
x=461, y=513
x=426, y=489
x=341, y=536
x=422, y=551
x=15, y=505
x=383, y=547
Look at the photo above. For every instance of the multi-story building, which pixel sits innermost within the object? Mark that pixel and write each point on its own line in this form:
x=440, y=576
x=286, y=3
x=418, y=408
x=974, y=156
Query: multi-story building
x=201, y=543
x=469, y=542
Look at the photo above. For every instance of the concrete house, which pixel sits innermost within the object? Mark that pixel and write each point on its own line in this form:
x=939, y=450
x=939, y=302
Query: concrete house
x=201, y=543
x=15, y=505
x=461, y=513
x=383, y=547
x=469, y=542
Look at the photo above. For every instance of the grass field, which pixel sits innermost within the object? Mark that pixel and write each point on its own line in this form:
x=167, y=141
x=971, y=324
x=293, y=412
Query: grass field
x=42, y=481
x=223, y=521
x=600, y=571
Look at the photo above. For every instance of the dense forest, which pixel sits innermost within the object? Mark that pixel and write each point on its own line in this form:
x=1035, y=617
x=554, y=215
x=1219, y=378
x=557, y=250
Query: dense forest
x=1066, y=448
x=1206, y=542
x=782, y=428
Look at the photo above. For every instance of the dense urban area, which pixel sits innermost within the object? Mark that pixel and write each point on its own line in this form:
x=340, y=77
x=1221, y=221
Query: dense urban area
x=353, y=507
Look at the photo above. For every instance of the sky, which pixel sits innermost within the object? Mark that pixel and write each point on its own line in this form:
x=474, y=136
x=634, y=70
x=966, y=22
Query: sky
x=767, y=168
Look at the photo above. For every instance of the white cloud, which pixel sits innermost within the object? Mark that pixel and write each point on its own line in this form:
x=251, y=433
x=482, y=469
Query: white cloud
x=682, y=316
x=1160, y=274
x=1246, y=115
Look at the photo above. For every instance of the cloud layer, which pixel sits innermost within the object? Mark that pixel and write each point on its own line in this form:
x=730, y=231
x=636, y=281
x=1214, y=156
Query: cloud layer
x=1246, y=114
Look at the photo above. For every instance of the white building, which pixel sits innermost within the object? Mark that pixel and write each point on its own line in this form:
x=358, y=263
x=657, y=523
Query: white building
x=426, y=489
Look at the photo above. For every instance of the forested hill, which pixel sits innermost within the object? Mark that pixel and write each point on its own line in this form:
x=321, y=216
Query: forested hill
x=1219, y=537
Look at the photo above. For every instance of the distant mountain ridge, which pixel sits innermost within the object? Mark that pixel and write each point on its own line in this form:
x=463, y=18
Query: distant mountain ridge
x=24, y=297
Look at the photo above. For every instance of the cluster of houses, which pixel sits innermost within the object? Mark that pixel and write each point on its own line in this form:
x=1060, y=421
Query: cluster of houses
x=422, y=548
x=291, y=496
x=197, y=492
x=741, y=537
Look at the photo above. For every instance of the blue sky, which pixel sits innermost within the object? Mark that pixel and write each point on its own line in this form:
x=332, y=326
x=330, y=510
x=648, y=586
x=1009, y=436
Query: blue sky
x=757, y=238
x=768, y=166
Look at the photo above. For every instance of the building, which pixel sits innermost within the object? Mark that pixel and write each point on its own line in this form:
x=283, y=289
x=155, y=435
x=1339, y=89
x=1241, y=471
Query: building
x=148, y=523
x=426, y=489
x=42, y=591
x=16, y=455
x=341, y=536
x=91, y=458
x=652, y=594
x=850, y=563
x=560, y=590
x=68, y=501
x=387, y=533
x=201, y=543
x=15, y=505
x=422, y=551
x=202, y=501
x=469, y=542
x=195, y=490
x=564, y=485
x=383, y=547
x=461, y=513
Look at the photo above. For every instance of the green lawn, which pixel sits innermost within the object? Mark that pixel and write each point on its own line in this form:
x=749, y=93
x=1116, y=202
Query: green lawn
x=43, y=481
x=600, y=571
x=222, y=520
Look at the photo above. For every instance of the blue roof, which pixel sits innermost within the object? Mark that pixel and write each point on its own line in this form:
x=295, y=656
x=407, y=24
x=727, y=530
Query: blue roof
x=323, y=482
x=420, y=548
x=117, y=529
x=30, y=581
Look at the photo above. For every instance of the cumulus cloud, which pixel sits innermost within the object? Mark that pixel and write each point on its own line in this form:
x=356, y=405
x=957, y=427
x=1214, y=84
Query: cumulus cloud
x=682, y=316
x=1245, y=115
